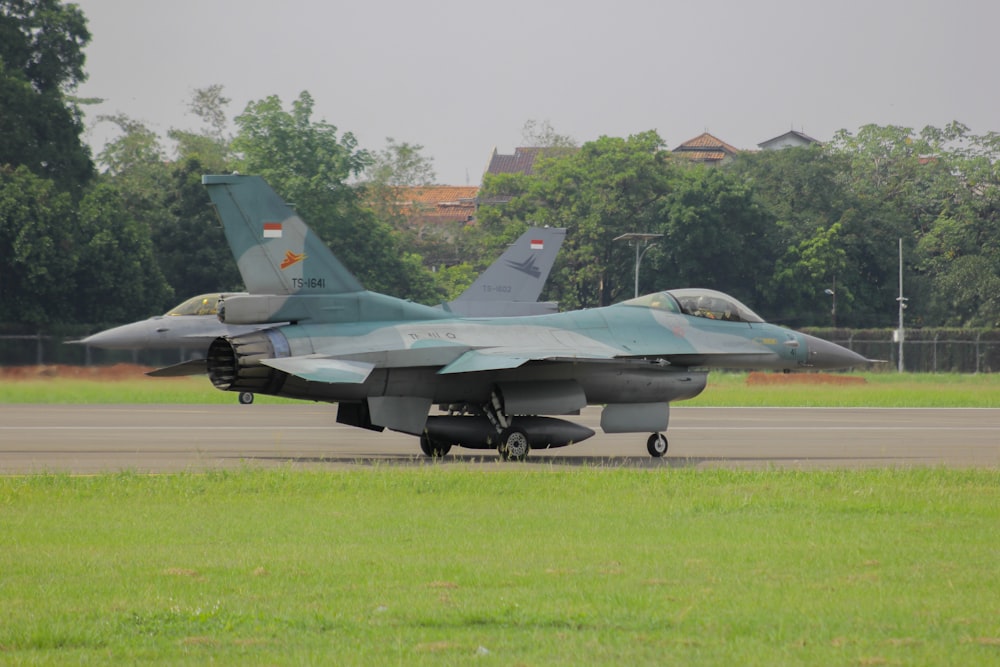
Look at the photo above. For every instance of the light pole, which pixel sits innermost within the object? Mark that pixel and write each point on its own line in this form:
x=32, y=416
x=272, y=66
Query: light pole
x=641, y=242
x=833, y=293
x=900, y=335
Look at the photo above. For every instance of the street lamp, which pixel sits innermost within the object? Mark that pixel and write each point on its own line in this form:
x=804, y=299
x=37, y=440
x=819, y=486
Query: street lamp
x=833, y=293
x=900, y=334
x=641, y=242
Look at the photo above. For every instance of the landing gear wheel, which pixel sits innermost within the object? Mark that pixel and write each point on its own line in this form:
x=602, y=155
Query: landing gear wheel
x=514, y=445
x=657, y=445
x=246, y=397
x=433, y=448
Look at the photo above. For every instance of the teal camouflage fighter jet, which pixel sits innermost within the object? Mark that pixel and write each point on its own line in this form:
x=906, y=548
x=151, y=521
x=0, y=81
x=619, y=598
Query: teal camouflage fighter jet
x=510, y=286
x=386, y=362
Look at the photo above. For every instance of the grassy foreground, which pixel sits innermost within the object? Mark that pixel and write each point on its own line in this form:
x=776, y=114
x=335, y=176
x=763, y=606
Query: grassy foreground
x=879, y=390
x=501, y=567
x=724, y=389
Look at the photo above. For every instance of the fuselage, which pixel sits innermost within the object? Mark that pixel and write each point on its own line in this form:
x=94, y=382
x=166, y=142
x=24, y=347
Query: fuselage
x=627, y=353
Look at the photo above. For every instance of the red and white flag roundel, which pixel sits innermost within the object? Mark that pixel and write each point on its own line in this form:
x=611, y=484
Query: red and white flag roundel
x=272, y=230
x=537, y=244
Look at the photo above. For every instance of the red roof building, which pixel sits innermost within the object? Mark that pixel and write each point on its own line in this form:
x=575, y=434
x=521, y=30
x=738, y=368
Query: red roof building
x=430, y=204
x=706, y=148
x=523, y=159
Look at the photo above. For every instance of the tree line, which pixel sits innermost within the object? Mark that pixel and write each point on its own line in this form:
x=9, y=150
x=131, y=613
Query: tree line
x=788, y=231
x=101, y=240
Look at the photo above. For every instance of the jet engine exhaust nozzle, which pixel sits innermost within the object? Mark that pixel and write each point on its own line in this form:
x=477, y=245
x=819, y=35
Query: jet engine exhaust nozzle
x=234, y=363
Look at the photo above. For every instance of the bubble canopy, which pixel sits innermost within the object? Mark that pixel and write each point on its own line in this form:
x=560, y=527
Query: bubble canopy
x=706, y=303
x=203, y=304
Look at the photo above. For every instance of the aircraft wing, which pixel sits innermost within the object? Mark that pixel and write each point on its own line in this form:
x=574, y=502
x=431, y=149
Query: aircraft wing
x=498, y=358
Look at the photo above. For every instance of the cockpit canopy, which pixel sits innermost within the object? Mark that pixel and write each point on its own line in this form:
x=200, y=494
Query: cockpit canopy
x=698, y=302
x=203, y=304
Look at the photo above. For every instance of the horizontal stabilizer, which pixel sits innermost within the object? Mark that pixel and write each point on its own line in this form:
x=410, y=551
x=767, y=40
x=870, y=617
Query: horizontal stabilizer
x=322, y=369
x=191, y=367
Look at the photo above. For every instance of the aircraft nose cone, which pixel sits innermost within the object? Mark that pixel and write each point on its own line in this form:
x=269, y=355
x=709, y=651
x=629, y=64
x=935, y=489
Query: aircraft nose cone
x=826, y=355
x=125, y=337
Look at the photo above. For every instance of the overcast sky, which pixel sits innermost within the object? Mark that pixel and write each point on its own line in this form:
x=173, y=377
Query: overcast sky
x=460, y=77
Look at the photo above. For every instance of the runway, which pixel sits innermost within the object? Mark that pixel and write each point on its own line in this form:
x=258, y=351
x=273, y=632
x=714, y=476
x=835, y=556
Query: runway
x=86, y=439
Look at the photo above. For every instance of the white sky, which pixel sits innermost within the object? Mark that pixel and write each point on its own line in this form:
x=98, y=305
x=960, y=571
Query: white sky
x=460, y=77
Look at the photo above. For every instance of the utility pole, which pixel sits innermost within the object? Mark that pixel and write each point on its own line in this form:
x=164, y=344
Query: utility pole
x=833, y=293
x=639, y=240
x=900, y=334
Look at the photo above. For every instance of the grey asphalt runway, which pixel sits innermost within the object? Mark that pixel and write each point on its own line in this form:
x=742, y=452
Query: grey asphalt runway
x=86, y=439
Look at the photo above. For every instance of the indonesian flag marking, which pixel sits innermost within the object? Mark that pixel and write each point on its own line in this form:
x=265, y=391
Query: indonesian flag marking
x=537, y=244
x=272, y=230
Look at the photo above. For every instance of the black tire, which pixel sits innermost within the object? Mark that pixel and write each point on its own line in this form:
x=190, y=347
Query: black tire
x=246, y=397
x=433, y=448
x=514, y=444
x=657, y=445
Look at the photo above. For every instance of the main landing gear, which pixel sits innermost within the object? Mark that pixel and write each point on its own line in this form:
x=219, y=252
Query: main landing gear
x=433, y=448
x=657, y=445
x=514, y=445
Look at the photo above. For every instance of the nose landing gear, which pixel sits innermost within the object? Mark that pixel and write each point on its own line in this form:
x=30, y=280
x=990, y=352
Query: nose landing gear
x=656, y=445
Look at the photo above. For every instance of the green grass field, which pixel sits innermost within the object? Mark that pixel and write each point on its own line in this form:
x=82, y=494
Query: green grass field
x=493, y=566
x=724, y=389
x=499, y=567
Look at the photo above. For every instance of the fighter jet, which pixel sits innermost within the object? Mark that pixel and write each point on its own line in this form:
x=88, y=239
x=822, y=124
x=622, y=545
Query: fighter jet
x=496, y=381
x=510, y=286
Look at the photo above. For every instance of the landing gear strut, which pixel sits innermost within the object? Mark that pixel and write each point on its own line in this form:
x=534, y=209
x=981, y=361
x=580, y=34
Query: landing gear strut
x=513, y=444
x=657, y=445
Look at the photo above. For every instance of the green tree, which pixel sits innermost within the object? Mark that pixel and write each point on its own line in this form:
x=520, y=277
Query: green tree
x=715, y=236
x=541, y=134
x=41, y=63
x=191, y=247
x=959, y=254
x=117, y=273
x=400, y=164
x=805, y=193
x=713, y=232
x=608, y=187
x=390, y=182
x=38, y=250
x=211, y=146
x=910, y=185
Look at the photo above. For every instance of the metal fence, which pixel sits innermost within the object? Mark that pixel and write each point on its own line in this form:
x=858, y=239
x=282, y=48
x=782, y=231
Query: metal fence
x=924, y=350
x=42, y=349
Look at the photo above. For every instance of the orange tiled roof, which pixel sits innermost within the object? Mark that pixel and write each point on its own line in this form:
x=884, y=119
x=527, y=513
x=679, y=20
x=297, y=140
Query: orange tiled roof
x=436, y=194
x=438, y=202
x=707, y=148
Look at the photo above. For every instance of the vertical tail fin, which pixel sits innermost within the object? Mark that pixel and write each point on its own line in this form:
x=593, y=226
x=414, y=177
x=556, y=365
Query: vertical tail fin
x=274, y=249
x=521, y=271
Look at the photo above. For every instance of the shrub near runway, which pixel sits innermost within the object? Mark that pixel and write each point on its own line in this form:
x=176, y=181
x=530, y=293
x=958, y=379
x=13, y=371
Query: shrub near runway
x=449, y=566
